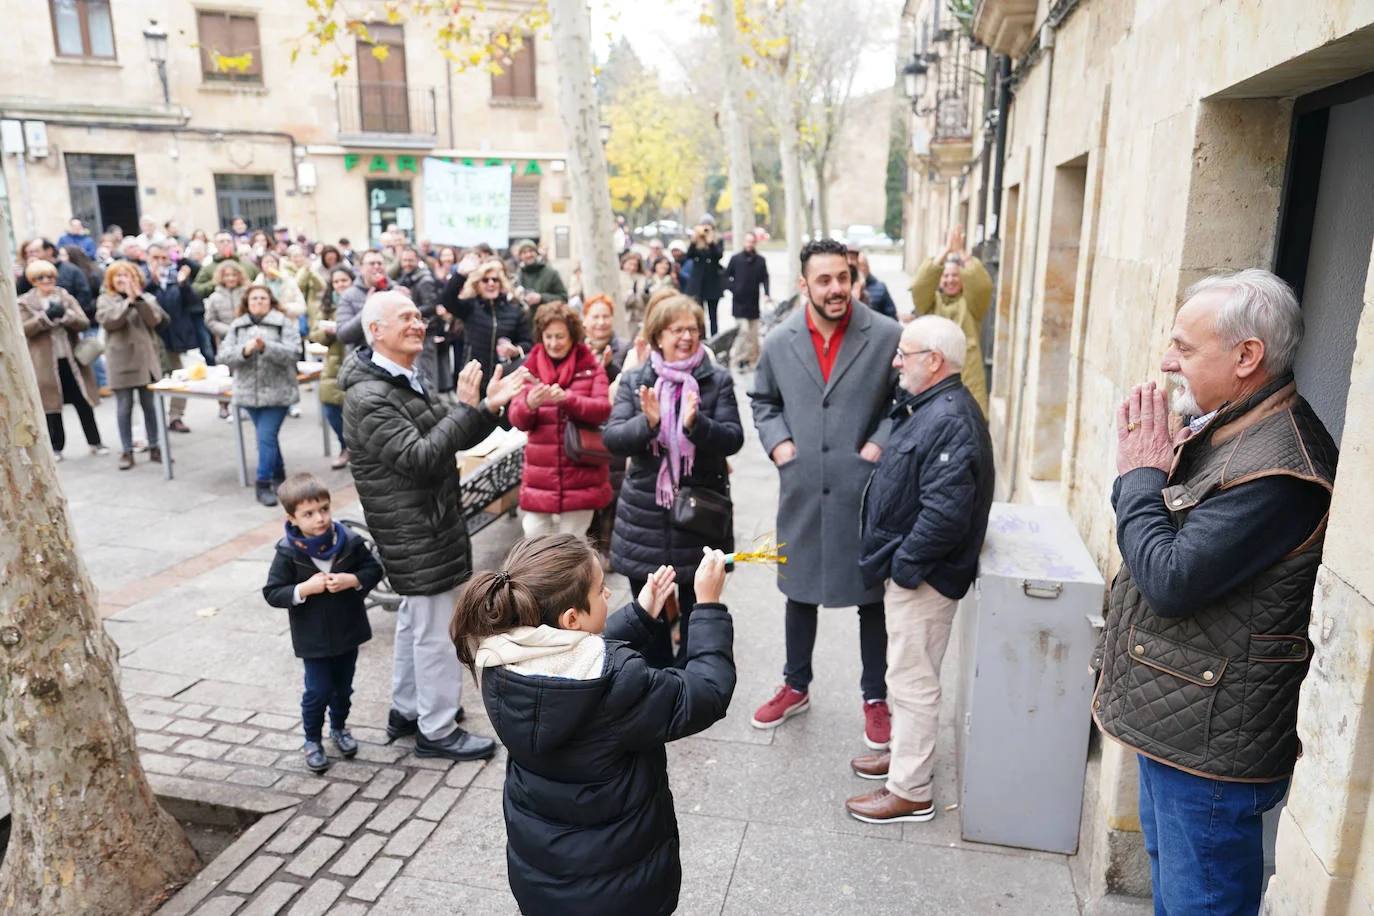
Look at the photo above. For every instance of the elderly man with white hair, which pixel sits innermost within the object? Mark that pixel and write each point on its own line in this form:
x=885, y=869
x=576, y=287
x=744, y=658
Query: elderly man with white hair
x=403, y=441
x=1220, y=528
x=924, y=517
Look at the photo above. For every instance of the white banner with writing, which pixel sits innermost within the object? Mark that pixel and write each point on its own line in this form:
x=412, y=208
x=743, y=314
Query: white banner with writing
x=466, y=204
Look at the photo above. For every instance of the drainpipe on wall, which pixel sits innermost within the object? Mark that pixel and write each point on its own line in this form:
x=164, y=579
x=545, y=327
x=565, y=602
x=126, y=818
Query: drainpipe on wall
x=1024, y=325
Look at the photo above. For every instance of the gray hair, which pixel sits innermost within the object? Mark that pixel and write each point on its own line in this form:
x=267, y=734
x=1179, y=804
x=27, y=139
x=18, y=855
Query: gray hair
x=1257, y=304
x=941, y=335
x=374, y=310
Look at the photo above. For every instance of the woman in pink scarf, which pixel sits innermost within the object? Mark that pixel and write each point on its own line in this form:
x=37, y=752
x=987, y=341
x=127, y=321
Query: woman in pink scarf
x=675, y=418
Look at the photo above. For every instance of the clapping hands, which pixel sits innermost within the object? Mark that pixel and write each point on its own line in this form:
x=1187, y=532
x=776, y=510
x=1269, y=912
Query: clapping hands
x=542, y=394
x=659, y=587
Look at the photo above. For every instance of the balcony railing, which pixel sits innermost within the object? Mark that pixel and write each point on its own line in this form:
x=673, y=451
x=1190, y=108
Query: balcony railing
x=397, y=113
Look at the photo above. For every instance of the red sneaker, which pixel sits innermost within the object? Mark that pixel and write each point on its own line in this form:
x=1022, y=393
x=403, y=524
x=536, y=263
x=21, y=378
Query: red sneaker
x=785, y=704
x=877, y=725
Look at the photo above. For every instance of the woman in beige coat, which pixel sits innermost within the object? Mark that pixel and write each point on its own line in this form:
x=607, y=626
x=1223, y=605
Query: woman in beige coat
x=53, y=322
x=133, y=358
x=223, y=306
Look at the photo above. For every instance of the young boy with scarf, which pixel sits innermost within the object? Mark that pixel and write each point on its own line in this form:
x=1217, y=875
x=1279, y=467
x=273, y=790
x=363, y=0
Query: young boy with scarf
x=321, y=574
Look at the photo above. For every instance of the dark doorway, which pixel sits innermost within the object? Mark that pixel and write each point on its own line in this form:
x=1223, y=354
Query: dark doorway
x=104, y=190
x=1326, y=228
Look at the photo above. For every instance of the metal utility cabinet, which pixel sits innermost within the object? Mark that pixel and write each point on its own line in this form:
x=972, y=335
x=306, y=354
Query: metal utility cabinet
x=1026, y=637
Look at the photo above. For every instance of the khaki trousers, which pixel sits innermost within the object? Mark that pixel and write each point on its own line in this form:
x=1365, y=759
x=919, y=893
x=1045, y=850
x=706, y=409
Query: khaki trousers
x=745, y=349
x=918, y=627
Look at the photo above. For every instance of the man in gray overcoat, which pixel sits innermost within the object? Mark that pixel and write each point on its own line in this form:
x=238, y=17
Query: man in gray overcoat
x=820, y=399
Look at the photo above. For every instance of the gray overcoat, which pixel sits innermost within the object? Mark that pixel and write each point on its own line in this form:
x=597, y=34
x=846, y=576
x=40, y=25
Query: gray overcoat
x=818, y=508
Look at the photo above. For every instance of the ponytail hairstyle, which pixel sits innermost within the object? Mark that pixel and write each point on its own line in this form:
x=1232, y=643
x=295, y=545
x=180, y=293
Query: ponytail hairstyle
x=541, y=578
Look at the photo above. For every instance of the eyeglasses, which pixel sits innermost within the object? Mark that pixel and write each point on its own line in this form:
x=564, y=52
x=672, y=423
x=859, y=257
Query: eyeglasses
x=903, y=356
x=490, y=280
x=692, y=331
x=42, y=277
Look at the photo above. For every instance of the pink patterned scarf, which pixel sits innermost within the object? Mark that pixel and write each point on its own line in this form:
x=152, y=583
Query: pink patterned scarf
x=674, y=381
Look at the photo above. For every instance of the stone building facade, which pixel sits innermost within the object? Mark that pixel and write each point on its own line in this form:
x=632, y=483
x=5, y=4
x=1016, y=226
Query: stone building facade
x=1140, y=147
x=282, y=142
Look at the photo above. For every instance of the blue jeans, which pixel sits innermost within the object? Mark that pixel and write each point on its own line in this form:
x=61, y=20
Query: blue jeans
x=1205, y=840
x=333, y=414
x=328, y=683
x=267, y=423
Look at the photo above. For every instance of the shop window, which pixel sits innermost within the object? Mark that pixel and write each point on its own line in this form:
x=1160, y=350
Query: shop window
x=389, y=200
x=104, y=190
x=231, y=36
x=517, y=79
x=250, y=196
x=82, y=28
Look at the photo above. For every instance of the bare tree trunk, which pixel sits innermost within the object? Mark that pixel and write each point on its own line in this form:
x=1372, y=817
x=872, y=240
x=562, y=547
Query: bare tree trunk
x=822, y=195
x=594, y=225
x=789, y=146
x=736, y=126
x=87, y=834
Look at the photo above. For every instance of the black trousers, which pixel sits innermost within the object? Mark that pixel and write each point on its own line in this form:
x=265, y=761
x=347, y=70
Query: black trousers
x=71, y=394
x=800, y=629
x=660, y=653
x=710, y=306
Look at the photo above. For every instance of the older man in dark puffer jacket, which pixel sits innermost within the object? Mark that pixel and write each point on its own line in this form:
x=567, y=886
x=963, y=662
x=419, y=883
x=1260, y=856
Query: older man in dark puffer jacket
x=924, y=517
x=403, y=442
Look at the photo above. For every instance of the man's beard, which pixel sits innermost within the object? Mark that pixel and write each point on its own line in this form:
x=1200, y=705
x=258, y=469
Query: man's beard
x=1181, y=400
x=819, y=307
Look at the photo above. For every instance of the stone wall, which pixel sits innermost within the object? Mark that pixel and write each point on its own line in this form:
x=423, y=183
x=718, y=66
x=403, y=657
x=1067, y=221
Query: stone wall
x=1162, y=160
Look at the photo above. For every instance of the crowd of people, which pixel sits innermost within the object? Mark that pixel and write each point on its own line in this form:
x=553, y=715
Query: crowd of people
x=876, y=424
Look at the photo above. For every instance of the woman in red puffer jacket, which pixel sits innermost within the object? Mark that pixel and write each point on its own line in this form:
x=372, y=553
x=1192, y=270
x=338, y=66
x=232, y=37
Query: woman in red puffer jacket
x=556, y=495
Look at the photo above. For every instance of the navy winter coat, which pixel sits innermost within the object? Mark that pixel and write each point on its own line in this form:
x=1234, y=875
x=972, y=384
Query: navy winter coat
x=745, y=273
x=485, y=321
x=326, y=624
x=185, y=313
x=925, y=510
x=590, y=826
x=644, y=537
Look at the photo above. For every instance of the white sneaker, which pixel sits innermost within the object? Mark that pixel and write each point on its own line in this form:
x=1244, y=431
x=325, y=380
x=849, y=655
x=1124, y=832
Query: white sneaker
x=295, y=411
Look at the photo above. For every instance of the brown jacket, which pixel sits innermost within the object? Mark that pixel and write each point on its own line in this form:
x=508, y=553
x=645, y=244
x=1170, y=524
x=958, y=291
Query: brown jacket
x=132, y=355
x=50, y=341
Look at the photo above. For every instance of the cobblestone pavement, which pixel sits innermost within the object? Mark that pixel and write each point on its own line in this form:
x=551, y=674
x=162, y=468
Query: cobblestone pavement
x=214, y=691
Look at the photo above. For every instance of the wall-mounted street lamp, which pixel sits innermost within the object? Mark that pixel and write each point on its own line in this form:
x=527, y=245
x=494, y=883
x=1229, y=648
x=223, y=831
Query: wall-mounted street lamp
x=605, y=131
x=914, y=78
x=156, y=38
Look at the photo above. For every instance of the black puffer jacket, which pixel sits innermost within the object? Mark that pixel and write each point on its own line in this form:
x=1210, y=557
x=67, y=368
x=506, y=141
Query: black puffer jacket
x=402, y=448
x=590, y=826
x=327, y=624
x=485, y=321
x=925, y=510
x=644, y=537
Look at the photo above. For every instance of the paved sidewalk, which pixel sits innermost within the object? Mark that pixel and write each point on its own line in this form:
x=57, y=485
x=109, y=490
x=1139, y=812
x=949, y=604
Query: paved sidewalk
x=214, y=690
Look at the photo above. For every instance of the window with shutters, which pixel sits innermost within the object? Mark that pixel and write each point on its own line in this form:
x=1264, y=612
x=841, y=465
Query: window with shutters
x=383, y=102
x=524, y=209
x=230, y=50
x=82, y=28
x=516, y=81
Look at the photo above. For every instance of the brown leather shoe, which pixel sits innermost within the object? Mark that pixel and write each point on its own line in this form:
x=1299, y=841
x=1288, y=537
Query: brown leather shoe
x=882, y=807
x=340, y=462
x=154, y=454
x=871, y=766
x=126, y=460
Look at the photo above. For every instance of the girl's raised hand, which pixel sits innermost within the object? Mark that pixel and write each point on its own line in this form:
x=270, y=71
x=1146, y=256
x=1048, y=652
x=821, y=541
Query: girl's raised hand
x=710, y=578
x=657, y=589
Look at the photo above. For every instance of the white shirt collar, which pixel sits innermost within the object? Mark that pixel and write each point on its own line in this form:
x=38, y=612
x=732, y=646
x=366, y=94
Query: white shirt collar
x=396, y=368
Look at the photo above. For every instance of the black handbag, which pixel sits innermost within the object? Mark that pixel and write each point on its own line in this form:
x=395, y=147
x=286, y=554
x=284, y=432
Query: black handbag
x=584, y=445
x=704, y=512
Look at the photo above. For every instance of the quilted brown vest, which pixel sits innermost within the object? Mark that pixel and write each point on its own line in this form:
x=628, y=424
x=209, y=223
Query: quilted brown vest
x=1216, y=693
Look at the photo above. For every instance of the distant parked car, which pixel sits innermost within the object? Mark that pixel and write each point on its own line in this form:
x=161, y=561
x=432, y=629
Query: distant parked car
x=667, y=229
x=861, y=235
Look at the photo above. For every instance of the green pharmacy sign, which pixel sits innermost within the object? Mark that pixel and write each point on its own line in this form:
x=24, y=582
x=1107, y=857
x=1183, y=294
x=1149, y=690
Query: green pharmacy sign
x=384, y=165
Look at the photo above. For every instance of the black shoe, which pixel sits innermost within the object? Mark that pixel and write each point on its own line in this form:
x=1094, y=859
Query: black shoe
x=460, y=745
x=315, y=757
x=398, y=726
x=343, y=739
x=266, y=496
